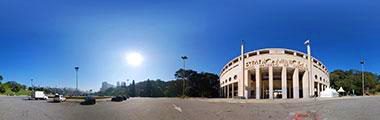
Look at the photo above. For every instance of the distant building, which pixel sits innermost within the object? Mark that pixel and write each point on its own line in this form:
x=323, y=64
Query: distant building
x=117, y=84
x=105, y=86
x=123, y=84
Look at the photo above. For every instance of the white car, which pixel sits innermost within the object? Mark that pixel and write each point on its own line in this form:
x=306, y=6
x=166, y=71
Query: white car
x=59, y=98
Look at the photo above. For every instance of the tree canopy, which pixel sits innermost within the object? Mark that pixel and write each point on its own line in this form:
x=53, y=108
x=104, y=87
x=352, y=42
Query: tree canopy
x=197, y=85
x=352, y=80
x=1, y=78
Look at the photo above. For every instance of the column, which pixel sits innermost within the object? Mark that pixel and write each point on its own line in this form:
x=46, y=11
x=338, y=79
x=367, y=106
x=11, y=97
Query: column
x=318, y=88
x=228, y=91
x=270, y=82
x=246, y=83
x=296, y=84
x=225, y=91
x=258, y=82
x=220, y=91
x=312, y=86
x=328, y=83
x=283, y=83
x=323, y=87
x=233, y=90
x=305, y=85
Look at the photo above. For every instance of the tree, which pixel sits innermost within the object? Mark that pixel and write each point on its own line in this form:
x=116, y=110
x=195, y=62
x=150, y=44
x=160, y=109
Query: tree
x=132, y=90
x=159, y=87
x=173, y=88
x=2, y=89
x=15, y=87
x=148, y=89
x=185, y=76
x=1, y=78
x=352, y=80
x=199, y=84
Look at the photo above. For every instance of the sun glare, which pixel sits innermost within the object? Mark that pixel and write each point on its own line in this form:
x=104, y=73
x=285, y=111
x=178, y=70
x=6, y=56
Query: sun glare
x=134, y=59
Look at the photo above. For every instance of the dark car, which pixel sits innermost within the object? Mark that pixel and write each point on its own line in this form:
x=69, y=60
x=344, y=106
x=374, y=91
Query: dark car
x=125, y=97
x=117, y=98
x=89, y=100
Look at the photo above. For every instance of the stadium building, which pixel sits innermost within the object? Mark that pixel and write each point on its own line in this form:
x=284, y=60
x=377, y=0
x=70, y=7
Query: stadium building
x=273, y=73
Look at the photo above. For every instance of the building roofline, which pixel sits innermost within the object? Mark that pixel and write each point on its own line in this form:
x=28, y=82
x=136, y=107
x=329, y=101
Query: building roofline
x=261, y=49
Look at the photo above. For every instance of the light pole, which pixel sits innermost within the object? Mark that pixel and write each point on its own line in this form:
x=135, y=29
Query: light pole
x=362, y=63
x=245, y=93
x=76, y=78
x=311, y=81
x=184, y=58
x=31, y=83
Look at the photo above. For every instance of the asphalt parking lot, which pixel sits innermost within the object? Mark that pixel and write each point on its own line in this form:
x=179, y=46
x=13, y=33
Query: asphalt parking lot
x=358, y=108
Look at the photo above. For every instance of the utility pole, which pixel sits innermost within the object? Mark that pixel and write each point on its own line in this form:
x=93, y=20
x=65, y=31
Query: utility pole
x=76, y=77
x=184, y=58
x=362, y=63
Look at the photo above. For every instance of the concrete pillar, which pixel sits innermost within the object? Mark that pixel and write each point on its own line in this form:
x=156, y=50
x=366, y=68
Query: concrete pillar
x=318, y=89
x=328, y=83
x=228, y=91
x=258, y=82
x=283, y=83
x=220, y=91
x=240, y=86
x=246, y=83
x=323, y=87
x=312, y=86
x=270, y=82
x=296, y=84
x=233, y=90
x=225, y=92
x=305, y=85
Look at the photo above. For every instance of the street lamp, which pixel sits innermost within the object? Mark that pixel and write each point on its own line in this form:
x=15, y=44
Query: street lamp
x=362, y=63
x=184, y=58
x=76, y=77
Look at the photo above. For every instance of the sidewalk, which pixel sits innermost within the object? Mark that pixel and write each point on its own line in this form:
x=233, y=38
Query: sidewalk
x=233, y=100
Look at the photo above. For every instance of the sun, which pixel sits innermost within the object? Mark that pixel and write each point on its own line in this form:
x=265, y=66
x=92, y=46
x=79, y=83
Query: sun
x=135, y=59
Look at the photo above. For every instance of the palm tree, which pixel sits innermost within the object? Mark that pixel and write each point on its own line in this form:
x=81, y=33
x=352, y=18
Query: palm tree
x=1, y=78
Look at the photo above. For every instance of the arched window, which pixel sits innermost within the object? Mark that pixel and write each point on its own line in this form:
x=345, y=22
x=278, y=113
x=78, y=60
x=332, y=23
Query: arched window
x=235, y=77
x=229, y=79
x=316, y=77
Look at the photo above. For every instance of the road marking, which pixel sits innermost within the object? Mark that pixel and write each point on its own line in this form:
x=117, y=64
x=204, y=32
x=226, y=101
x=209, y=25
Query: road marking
x=177, y=108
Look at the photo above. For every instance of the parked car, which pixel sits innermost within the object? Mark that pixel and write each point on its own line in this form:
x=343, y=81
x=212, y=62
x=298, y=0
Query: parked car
x=89, y=100
x=117, y=98
x=39, y=95
x=59, y=98
x=125, y=97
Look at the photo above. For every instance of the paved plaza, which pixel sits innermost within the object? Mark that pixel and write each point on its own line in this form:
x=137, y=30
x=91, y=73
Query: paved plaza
x=349, y=108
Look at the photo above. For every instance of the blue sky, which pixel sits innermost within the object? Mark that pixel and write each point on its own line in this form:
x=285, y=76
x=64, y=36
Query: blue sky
x=44, y=40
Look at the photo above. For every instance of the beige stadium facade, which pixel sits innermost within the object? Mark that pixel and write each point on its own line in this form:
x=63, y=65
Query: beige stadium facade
x=273, y=73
